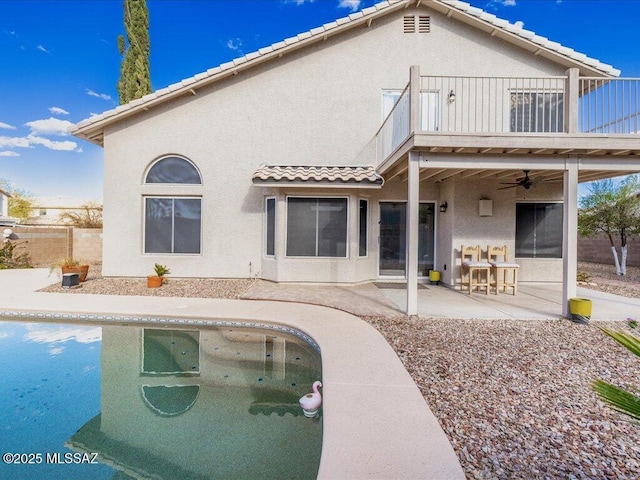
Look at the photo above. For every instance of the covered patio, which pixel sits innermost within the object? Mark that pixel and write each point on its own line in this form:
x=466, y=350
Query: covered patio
x=476, y=145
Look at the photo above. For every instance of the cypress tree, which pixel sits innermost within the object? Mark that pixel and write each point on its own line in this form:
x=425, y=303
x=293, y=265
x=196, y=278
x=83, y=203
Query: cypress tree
x=135, y=77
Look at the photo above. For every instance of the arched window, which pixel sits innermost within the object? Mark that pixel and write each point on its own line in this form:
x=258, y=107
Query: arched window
x=173, y=224
x=173, y=170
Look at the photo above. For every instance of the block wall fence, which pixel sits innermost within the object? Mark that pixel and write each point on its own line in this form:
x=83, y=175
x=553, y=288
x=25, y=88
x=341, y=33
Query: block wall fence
x=598, y=250
x=47, y=245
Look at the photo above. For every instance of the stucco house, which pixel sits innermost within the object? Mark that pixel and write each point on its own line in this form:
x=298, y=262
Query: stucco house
x=372, y=147
x=5, y=219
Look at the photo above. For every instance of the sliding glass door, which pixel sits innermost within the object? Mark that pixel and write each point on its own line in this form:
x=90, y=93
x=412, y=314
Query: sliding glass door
x=393, y=224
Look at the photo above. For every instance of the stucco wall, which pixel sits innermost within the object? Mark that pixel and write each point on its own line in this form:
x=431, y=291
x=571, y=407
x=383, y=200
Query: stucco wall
x=320, y=106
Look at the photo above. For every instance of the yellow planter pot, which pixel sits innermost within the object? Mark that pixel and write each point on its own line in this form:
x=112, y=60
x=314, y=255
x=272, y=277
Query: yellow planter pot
x=580, y=309
x=434, y=277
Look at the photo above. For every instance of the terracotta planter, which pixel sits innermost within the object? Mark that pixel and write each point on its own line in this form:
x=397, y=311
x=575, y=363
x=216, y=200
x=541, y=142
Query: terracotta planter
x=81, y=270
x=154, y=281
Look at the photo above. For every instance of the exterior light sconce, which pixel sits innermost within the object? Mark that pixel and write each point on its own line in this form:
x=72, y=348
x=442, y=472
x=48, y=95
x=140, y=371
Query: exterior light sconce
x=443, y=206
x=485, y=207
x=452, y=97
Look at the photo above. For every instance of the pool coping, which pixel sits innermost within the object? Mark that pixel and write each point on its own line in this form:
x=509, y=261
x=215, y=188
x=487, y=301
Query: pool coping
x=376, y=423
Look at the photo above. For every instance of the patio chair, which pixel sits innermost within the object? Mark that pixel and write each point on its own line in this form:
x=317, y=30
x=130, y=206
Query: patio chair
x=477, y=270
x=500, y=268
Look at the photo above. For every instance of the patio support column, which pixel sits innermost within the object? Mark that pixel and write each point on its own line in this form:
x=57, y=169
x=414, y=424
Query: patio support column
x=413, y=202
x=570, y=233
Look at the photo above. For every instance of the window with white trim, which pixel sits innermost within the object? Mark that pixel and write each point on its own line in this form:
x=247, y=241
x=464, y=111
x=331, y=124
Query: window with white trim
x=539, y=230
x=537, y=112
x=172, y=224
x=316, y=227
x=363, y=227
x=270, y=226
x=429, y=107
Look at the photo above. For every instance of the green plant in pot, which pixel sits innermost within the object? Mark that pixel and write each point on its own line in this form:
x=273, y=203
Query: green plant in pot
x=70, y=265
x=155, y=281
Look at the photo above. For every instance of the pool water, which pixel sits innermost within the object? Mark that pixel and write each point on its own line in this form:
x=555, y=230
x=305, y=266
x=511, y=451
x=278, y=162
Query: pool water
x=156, y=402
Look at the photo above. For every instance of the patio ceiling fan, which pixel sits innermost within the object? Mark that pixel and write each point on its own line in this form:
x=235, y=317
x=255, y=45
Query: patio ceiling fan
x=524, y=182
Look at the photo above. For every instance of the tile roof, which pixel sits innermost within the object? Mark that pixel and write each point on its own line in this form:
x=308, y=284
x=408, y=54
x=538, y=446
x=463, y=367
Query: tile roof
x=189, y=85
x=317, y=175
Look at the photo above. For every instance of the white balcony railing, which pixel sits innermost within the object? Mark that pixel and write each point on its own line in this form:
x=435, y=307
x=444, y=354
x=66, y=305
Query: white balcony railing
x=512, y=105
x=492, y=104
x=395, y=127
x=609, y=106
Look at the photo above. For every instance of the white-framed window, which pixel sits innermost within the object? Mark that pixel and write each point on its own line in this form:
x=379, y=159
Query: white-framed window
x=173, y=170
x=539, y=229
x=536, y=112
x=172, y=224
x=363, y=227
x=429, y=107
x=270, y=226
x=317, y=226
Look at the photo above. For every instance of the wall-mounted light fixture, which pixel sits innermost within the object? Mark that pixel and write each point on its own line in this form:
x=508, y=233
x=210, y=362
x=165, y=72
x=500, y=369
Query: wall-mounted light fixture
x=452, y=97
x=485, y=207
x=443, y=206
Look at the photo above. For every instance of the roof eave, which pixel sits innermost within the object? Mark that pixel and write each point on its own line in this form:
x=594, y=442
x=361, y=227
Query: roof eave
x=93, y=131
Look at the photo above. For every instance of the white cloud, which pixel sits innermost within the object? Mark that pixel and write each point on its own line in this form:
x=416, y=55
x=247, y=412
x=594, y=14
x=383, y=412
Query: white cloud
x=234, y=44
x=519, y=24
x=14, y=142
x=42, y=49
x=509, y=3
x=60, y=334
x=66, y=145
x=7, y=126
x=58, y=111
x=352, y=5
x=50, y=126
x=9, y=153
x=299, y=2
x=103, y=96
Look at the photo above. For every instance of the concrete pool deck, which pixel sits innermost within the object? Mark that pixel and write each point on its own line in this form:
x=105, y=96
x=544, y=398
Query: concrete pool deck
x=376, y=423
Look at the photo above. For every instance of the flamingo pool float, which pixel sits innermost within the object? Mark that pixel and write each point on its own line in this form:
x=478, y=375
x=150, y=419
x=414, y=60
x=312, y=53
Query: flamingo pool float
x=311, y=401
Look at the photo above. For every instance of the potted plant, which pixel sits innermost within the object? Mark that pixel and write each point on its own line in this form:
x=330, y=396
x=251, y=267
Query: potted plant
x=155, y=281
x=69, y=265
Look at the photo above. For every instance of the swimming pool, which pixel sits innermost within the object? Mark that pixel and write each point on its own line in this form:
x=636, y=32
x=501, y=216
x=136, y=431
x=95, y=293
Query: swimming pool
x=174, y=399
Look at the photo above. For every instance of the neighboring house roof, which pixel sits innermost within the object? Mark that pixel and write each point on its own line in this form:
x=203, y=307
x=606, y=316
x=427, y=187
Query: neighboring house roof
x=92, y=128
x=364, y=177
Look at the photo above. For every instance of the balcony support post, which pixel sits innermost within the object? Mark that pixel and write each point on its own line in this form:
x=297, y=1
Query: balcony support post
x=413, y=218
x=572, y=93
x=570, y=233
x=414, y=99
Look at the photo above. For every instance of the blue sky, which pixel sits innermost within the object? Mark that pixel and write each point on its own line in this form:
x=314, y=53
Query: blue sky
x=60, y=63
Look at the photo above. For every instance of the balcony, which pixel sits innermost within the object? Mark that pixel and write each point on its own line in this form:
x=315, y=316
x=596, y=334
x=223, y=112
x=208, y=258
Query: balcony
x=513, y=115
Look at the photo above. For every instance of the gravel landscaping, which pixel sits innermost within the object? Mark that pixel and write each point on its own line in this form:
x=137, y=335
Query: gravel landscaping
x=513, y=396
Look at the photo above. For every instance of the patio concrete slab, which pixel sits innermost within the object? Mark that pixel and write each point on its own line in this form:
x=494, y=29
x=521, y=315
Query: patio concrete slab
x=360, y=299
x=534, y=301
